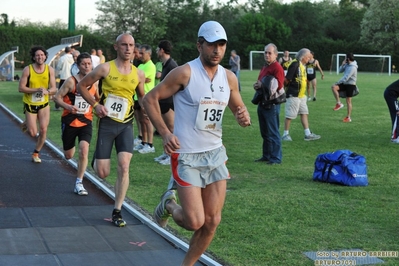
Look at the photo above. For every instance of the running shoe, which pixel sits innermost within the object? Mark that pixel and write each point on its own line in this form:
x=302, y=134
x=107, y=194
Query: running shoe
x=147, y=149
x=138, y=147
x=338, y=106
x=161, y=214
x=166, y=161
x=286, y=138
x=312, y=136
x=161, y=157
x=137, y=141
x=347, y=120
x=80, y=190
x=395, y=140
x=35, y=158
x=117, y=218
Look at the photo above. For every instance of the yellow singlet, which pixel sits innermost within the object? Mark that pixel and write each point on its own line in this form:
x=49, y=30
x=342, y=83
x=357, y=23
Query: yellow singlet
x=36, y=81
x=118, y=91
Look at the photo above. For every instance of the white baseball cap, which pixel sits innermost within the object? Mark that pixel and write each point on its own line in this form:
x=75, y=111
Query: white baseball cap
x=212, y=31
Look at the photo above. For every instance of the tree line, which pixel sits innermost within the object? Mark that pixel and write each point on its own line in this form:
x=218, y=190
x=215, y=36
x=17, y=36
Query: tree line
x=327, y=27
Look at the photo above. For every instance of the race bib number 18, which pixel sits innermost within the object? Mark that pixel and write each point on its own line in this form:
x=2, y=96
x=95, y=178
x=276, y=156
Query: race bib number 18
x=117, y=107
x=210, y=114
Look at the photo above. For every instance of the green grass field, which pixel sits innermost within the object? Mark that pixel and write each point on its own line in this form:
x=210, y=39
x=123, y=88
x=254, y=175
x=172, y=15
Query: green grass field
x=275, y=213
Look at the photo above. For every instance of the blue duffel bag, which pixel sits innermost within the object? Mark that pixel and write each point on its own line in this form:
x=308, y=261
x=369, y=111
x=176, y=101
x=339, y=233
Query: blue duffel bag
x=342, y=167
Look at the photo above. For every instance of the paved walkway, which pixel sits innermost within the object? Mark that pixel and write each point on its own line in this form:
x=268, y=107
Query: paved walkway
x=42, y=222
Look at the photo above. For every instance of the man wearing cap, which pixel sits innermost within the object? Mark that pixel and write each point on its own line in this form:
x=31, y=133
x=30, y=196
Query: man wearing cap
x=201, y=90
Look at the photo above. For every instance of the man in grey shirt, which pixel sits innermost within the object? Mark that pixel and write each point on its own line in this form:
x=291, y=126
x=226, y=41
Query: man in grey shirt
x=234, y=62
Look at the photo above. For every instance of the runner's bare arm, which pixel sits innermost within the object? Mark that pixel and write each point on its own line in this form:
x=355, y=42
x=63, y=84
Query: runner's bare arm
x=176, y=80
x=52, y=89
x=99, y=72
x=23, y=82
x=66, y=87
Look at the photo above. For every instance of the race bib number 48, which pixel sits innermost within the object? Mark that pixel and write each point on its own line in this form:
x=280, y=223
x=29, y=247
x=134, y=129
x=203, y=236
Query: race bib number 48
x=117, y=107
x=37, y=97
x=210, y=114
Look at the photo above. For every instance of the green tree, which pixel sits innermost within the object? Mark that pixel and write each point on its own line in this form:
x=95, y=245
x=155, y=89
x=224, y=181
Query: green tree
x=380, y=26
x=4, y=19
x=144, y=19
x=256, y=30
x=184, y=20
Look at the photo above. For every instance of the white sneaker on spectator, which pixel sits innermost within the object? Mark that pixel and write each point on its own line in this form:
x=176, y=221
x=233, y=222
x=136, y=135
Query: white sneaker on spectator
x=138, y=147
x=137, y=141
x=147, y=149
x=165, y=161
x=312, y=136
x=395, y=140
x=161, y=157
x=286, y=138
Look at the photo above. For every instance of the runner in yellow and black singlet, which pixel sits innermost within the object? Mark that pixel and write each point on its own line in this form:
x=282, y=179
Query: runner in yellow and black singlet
x=37, y=83
x=120, y=81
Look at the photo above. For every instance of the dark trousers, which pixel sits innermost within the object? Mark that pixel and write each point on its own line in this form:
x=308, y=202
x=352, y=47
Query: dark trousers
x=269, y=124
x=391, y=99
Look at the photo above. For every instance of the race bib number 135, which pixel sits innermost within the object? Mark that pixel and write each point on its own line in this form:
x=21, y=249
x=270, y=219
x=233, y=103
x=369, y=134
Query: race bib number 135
x=210, y=114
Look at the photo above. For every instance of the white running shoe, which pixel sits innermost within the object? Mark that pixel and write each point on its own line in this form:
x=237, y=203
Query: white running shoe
x=147, y=149
x=136, y=141
x=286, y=138
x=312, y=136
x=80, y=190
x=161, y=157
x=138, y=147
x=165, y=161
x=395, y=140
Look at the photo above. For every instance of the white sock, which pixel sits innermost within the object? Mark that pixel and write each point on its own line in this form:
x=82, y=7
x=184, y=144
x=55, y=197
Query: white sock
x=78, y=180
x=286, y=132
x=307, y=132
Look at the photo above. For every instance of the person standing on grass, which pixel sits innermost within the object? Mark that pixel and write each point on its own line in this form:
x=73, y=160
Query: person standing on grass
x=167, y=108
x=201, y=90
x=391, y=95
x=269, y=119
x=285, y=61
x=311, y=75
x=120, y=81
x=101, y=56
x=74, y=67
x=76, y=120
x=147, y=130
x=347, y=83
x=64, y=66
x=94, y=58
x=295, y=81
x=235, y=65
x=37, y=83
